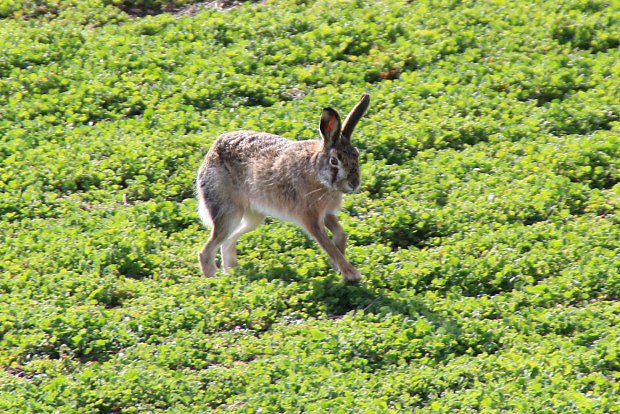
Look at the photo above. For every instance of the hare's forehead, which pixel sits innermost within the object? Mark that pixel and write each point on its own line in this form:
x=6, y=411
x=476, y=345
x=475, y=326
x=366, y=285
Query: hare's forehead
x=345, y=151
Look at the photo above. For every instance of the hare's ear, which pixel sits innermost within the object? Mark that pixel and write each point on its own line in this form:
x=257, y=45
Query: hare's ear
x=354, y=116
x=330, y=127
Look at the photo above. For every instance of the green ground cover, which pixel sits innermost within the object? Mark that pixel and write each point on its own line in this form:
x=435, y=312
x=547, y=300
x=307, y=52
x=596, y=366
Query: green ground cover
x=487, y=227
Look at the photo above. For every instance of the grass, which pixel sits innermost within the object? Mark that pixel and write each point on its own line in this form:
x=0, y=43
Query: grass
x=486, y=228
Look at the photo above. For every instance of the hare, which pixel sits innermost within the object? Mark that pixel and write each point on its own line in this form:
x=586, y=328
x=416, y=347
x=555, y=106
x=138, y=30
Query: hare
x=247, y=175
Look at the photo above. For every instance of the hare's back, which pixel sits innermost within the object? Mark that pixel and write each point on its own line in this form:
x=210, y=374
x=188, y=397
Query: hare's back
x=244, y=146
x=235, y=156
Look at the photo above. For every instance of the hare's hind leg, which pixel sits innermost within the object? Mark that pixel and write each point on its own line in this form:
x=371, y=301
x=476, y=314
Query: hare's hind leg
x=250, y=221
x=224, y=223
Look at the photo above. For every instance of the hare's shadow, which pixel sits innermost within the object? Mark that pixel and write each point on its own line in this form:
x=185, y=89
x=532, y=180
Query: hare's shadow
x=340, y=298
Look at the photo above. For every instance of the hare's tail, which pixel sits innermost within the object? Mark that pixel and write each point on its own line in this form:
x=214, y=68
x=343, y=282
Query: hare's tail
x=203, y=211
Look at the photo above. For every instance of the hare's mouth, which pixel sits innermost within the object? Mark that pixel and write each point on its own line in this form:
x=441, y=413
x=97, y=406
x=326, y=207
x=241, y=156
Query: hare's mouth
x=348, y=188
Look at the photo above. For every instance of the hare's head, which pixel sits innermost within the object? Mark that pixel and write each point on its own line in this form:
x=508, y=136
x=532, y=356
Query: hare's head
x=338, y=164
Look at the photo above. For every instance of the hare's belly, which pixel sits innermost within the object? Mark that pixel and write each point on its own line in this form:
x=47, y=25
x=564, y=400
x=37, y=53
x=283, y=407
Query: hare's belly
x=273, y=211
x=295, y=209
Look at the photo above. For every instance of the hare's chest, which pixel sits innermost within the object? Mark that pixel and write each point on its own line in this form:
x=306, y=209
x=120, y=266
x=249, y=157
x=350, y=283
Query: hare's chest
x=334, y=204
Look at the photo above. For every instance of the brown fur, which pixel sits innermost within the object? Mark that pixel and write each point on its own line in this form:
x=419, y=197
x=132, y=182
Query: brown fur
x=247, y=175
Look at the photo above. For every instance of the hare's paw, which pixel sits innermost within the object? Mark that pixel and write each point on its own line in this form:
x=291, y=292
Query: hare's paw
x=350, y=274
x=208, y=267
x=208, y=270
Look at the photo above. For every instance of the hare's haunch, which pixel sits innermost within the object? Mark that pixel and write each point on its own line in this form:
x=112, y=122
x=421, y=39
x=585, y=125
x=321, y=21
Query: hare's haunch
x=247, y=175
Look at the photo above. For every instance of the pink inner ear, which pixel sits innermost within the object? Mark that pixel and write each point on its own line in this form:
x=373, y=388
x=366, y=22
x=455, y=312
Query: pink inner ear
x=330, y=124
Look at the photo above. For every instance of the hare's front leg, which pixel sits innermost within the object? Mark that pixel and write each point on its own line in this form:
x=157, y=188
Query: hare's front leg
x=347, y=270
x=340, y=238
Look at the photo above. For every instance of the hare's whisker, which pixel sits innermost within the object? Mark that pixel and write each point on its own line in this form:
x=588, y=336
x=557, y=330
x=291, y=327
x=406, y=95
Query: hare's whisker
x=313, y=191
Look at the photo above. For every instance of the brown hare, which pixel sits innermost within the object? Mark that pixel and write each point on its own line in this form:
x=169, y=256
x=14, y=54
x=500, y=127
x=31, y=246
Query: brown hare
x=247, y=175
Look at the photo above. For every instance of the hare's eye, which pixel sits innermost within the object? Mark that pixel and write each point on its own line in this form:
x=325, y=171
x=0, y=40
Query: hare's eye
x=333, y=161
